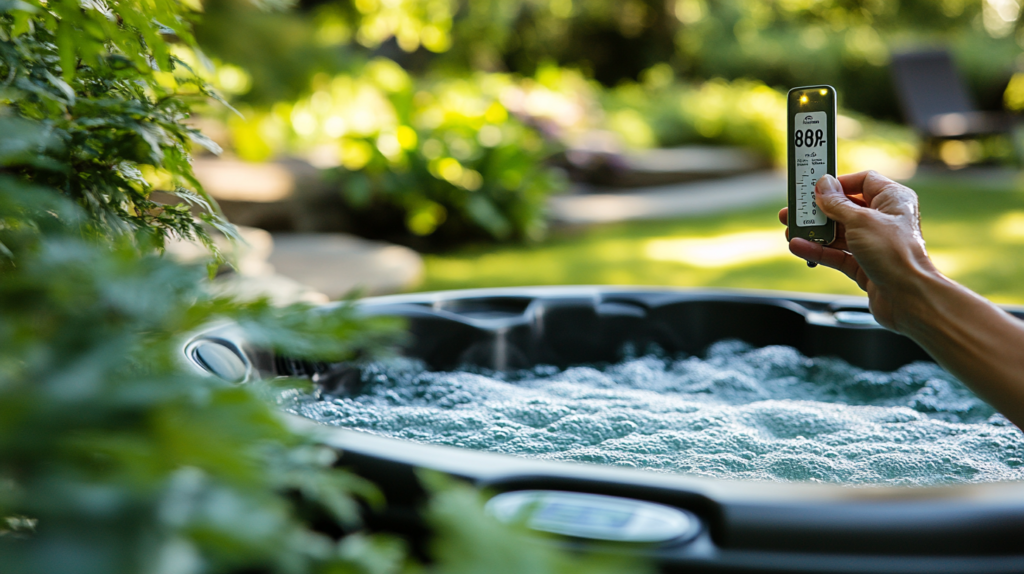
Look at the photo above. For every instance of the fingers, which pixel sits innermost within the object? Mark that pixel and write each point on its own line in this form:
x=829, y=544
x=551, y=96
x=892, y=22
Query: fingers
x=784, y=219
x=853, y=183
x=866, y=184
x=832, y=199
x=827, y=256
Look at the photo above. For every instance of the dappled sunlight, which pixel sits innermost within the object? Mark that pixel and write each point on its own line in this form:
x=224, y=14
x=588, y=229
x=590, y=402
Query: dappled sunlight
x=1006, y=297
x=790, y=274
x=610, y=251
x=1009, y=228
x=547, y=267
x=976, y=243
x=729, y=250
x=893, y=159
x=956, y=263
x=452, y=269
x=617, y=276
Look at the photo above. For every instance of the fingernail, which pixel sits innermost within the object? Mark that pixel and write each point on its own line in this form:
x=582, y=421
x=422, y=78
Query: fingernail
x=812, y=264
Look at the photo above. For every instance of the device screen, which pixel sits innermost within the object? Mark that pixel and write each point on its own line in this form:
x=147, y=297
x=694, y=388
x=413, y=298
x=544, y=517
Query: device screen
x=810, y=146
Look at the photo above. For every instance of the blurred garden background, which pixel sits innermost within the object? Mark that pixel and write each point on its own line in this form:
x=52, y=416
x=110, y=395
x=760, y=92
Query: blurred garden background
x=483, y=136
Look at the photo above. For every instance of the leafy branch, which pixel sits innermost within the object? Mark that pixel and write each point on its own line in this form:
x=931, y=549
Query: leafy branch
x=97, y=83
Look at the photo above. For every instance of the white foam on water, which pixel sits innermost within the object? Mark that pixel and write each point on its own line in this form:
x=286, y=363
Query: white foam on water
x=745, y=413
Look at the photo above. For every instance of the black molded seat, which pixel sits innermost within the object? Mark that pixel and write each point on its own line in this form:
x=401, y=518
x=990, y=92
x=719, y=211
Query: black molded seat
x=936, y=103
x=934, y=99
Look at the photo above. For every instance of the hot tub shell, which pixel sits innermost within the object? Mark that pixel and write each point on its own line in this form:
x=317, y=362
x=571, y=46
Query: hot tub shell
x=746, y=526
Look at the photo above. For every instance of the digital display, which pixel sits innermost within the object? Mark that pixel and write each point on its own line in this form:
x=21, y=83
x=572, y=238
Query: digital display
x=810, y=147
x=594, y=516
x=585, y=515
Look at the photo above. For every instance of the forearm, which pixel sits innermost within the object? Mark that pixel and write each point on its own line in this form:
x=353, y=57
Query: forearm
x=976, y=341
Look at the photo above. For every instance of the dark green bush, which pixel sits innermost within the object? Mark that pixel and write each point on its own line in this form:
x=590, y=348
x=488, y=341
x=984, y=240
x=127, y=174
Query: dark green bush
x=85, y=114
x=462, y=169
x=113, y=457
x=782, y=44
x=117, y=458
x=419, y=161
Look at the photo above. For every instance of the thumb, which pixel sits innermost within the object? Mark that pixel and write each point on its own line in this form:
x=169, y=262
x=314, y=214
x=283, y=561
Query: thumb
x=833, y=201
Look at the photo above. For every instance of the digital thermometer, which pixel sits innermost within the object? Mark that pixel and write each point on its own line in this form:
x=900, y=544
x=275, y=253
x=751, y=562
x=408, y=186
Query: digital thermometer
x=811, y=143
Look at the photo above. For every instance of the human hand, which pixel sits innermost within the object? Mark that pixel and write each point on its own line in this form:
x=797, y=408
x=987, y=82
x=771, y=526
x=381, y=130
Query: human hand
x=878, y=240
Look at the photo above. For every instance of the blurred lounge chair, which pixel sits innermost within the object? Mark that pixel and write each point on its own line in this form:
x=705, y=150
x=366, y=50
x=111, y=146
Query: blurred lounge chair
x=935, y=102
x=659, y=166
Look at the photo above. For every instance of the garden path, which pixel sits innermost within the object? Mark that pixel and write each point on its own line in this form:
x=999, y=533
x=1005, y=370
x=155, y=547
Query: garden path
x=594, y=205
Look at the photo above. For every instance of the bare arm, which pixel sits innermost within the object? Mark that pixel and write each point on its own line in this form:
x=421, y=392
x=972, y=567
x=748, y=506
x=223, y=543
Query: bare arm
x=879, y=245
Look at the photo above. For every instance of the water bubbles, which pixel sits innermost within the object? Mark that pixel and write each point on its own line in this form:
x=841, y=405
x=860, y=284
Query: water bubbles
x=740, y=412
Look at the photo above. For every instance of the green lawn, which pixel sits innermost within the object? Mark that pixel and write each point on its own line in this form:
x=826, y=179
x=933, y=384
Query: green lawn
x=974, y=236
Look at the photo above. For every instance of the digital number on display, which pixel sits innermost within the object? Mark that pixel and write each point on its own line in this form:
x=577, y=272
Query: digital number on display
x=811, y=150
x=809, y=137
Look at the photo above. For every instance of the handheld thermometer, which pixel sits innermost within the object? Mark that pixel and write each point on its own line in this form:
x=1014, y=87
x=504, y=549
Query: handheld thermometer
x=811, y=145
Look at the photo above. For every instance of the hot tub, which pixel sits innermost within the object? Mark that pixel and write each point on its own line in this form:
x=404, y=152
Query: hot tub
x=694, y=524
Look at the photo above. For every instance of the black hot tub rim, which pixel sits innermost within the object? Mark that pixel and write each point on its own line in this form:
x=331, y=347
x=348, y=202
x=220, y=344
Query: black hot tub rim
x=748, y=526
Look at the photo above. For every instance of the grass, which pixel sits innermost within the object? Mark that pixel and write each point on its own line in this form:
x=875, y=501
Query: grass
x=975, y=235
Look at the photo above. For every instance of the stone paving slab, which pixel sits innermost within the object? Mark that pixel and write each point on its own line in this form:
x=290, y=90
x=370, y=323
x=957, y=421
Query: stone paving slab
x=306, y=267
x=236, y=180
x=669, y=201
x=335, y=263
x=252, y=277
x=280, y=290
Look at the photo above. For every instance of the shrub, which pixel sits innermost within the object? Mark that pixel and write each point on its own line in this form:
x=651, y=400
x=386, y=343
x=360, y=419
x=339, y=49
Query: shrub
x=92, y=104
x=112, y=457
x=116, y=459
x=742, y=113
x=441, y=159
x=782, y=44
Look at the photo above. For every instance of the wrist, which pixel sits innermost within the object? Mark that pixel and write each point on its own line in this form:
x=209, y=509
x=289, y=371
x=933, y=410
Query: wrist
x=921, y=291
x=923, y=299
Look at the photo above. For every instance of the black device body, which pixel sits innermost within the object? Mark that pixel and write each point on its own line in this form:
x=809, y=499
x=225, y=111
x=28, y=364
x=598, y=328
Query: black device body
x=811, y=147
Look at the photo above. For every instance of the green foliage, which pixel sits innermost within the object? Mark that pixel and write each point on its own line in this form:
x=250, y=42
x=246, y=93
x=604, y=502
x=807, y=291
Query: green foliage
x=440, y=158
x=467, y=168
x=469, y=541
x=90, y=103
x=847, y=45
x=129, y=462
x=664, y=112
x=611, y=39
x=280, y=51
x=783, y=44
x=495, y=192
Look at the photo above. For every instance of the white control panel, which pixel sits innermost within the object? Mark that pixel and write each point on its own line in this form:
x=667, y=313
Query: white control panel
x=594, y=516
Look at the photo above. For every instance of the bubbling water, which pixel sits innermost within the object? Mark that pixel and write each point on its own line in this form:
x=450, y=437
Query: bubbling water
x=765, y=413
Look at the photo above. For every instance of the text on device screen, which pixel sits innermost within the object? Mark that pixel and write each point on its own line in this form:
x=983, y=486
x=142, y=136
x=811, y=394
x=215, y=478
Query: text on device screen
x=810, y=148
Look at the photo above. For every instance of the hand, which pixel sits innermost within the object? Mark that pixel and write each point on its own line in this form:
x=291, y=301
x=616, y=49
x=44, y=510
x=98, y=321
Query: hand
x=878, y=240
